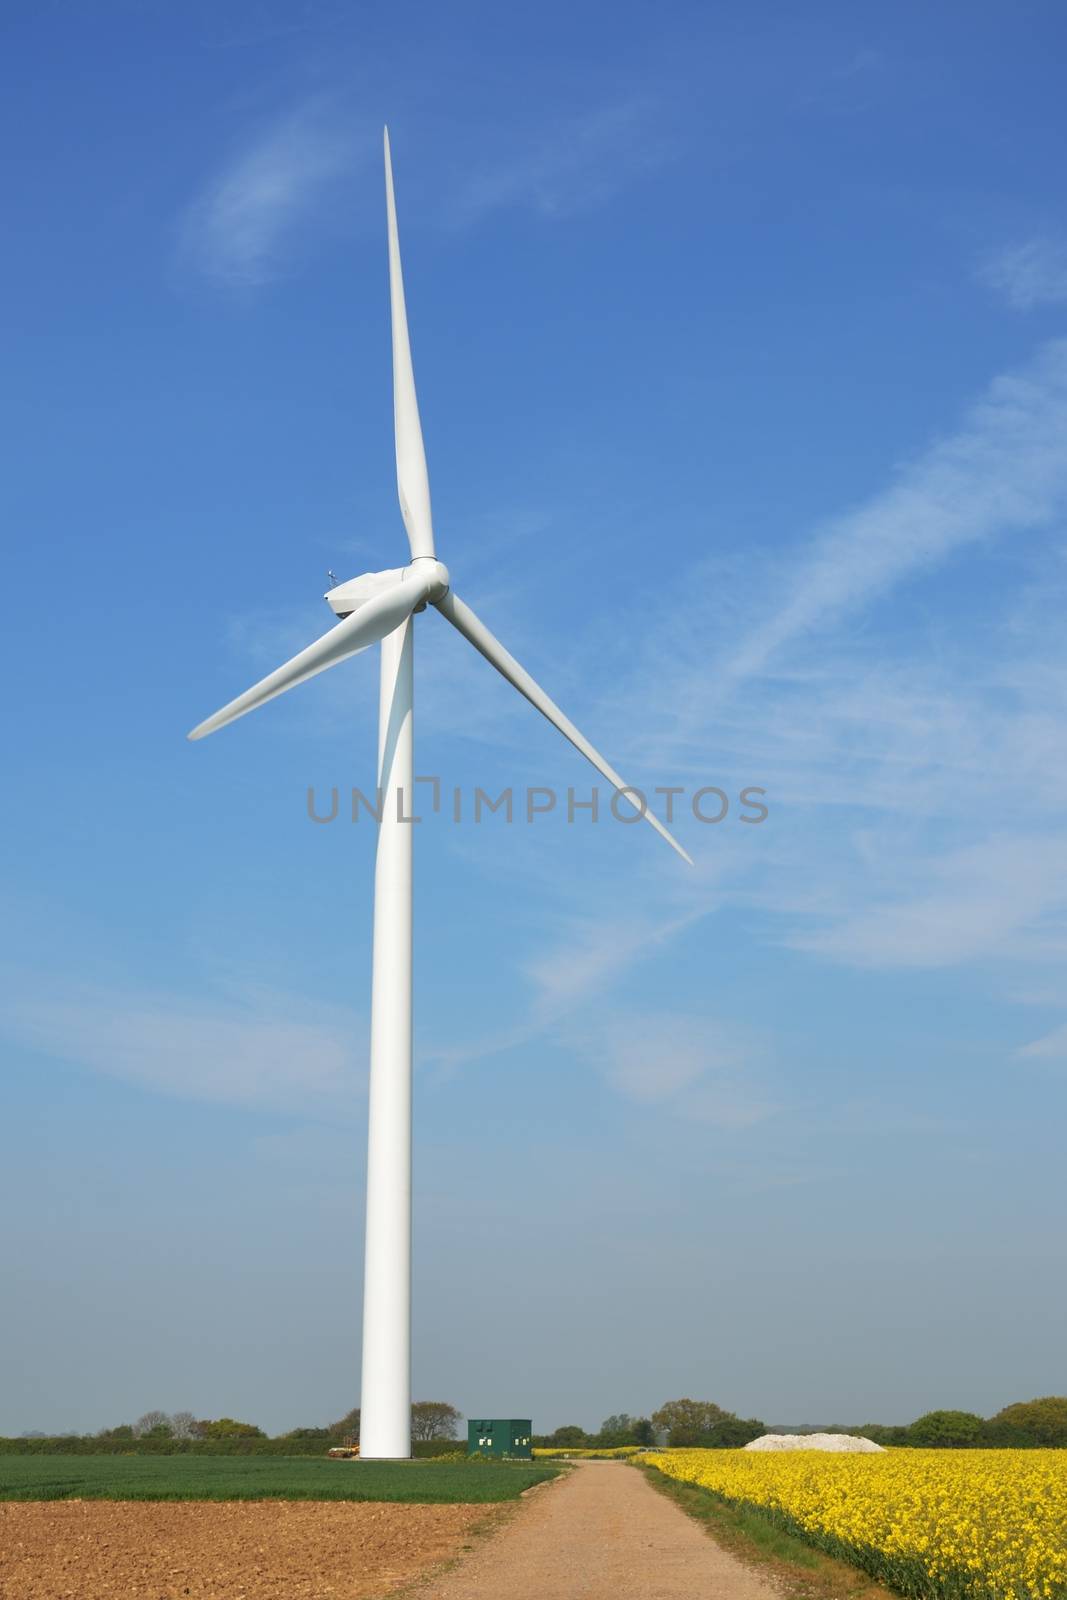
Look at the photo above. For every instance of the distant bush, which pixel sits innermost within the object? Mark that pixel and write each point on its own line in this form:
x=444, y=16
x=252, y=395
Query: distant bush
x=229, y=1428
x=307, y=1439
x=94, y=1445
x=880, y=1433
x=623, y=1429
x=733, y=1432
x=154, y=1423
x=702, y=1425
x=946, y=1430
x=1036, y=1423
x=427, y=1448
x=1027, y=1425
x=569, y=1435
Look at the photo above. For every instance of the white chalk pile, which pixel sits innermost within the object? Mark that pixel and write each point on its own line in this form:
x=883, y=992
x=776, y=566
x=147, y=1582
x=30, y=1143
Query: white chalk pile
x=848, y=1442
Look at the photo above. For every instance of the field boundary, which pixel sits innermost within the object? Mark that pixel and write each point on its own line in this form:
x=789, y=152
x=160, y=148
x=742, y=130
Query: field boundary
x=496, y=1519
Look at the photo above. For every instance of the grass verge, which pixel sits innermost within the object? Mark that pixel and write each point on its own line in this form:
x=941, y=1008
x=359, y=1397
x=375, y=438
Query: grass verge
x=783, y=1557
x=264, y=1478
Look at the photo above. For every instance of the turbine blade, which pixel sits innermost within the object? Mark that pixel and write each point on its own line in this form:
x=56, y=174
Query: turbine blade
x=412, y=478
x=471, y=627
x=364, y=627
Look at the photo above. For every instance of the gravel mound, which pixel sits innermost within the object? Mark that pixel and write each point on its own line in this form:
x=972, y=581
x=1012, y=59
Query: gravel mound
x=848, y=1442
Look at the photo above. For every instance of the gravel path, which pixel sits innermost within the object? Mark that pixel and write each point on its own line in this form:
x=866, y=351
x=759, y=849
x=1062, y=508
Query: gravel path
x=600, y=1533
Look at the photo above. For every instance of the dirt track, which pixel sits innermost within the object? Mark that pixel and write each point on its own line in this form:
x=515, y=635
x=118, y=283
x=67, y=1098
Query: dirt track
x=228, y=1550
x=601, y=1533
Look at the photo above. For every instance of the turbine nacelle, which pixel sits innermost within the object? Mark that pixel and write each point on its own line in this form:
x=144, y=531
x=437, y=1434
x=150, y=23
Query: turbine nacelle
x=344, y=598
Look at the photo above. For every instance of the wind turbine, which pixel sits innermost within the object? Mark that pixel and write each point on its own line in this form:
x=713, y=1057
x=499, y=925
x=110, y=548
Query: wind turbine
x=380, y=606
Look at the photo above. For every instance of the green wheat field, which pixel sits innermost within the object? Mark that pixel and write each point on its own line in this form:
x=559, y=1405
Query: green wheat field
x=108, y=1477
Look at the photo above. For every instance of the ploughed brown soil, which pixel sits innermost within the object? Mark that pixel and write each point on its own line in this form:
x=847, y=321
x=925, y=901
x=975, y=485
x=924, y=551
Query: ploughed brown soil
x=224, y=1550
x=600, y=1533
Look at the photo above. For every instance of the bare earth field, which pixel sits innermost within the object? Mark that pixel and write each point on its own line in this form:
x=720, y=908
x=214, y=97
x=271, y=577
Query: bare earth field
x=247, y=1550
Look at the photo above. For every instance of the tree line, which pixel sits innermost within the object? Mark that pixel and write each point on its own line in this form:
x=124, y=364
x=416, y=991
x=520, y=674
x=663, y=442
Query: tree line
x=434, y=1427
x=696, y=1424
x=1025, y=1425
x=701, y=1424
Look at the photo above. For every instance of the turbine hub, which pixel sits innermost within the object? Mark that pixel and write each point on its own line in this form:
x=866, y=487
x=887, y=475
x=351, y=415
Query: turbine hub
x=437, y=572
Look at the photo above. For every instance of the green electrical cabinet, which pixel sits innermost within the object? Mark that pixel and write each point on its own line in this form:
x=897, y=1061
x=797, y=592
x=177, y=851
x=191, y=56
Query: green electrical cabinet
x=509, y=1439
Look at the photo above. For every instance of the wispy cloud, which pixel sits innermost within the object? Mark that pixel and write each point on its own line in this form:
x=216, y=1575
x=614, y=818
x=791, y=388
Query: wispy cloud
x=579, y=163
x=585, y=961
x=844, y=89
x=1030, y=274
x=1051, y=1050
x=1003, y=472
x=242, y=227
x=591, y=957
x=975, y=904
x=269, y=1051
x=915, y=772
x=694, y=1066
x=915, y=764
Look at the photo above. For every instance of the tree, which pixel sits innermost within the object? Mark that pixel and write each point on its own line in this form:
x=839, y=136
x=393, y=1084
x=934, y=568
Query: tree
x=687, y=1421
x=152, y=1422
x=617, y=1430
x=346, y=1427
x=434, y=1419
x=702, y=1423
x=734, y=1432
x=228, y=1428
x=183, y=1425
x=308, y=1435
x=622, y=1429
x=946, y=1430
x=1039, y=1422
x=569, y=1437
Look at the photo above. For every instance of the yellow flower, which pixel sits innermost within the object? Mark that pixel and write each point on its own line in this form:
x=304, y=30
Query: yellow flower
x=943, y=1524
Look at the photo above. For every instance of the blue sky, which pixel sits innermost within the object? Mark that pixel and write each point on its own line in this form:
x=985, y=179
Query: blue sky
x=741, y=346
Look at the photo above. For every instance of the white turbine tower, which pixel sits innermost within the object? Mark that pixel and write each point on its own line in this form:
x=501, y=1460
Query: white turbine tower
x=379, y=606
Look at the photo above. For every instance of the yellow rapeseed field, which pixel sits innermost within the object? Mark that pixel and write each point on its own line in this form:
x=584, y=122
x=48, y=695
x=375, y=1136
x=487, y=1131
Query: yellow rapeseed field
x=987, y=1524
x=610, y=1452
